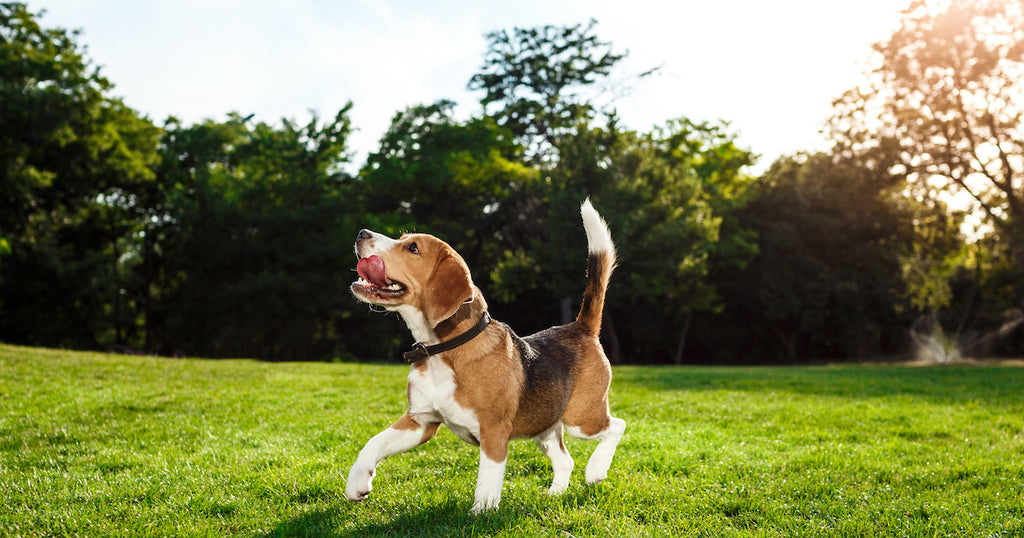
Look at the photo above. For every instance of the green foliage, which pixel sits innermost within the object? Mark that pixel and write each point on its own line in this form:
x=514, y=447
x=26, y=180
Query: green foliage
x=71, y=159
x=935, y=254
x=143, y=446
x=983, y=312
x=254, y=248
x=63, y=140
x=830, y=278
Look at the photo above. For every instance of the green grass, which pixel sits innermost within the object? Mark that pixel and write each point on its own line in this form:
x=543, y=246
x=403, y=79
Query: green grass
x=101, y=445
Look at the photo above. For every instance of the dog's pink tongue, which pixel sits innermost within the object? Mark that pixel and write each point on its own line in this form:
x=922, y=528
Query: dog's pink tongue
x=371, y=268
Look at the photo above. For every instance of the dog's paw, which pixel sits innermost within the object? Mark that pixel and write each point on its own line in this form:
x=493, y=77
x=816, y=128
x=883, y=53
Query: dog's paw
x=359, y=484
x=594, y=477
x=479, y=508
x=482, y=506
x=357, y=496
x=556, y=489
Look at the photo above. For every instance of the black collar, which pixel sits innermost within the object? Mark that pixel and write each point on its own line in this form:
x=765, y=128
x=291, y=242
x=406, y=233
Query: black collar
x=421, y=351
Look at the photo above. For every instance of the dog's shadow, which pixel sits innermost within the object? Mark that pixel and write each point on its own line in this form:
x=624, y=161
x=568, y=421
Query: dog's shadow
x=446, y=518
x=449, y=519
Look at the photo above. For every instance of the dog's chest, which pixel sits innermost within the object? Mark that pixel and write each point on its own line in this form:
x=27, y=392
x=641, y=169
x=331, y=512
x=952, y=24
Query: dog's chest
x=432, y=394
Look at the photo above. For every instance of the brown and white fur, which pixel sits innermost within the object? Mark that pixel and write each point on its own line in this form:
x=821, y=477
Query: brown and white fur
x=497, y=386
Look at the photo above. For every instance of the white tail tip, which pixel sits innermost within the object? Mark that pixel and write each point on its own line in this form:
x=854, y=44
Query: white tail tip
x=599, y=237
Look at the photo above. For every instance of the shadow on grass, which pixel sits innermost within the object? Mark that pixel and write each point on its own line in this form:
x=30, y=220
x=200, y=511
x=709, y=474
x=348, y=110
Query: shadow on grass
x=451, y=519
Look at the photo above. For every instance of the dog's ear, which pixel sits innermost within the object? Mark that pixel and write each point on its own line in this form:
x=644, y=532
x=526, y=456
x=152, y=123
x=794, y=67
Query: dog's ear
x=450, y=286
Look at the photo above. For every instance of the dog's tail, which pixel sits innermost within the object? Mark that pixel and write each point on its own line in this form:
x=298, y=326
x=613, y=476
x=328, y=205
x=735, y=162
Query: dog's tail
x=601, y=262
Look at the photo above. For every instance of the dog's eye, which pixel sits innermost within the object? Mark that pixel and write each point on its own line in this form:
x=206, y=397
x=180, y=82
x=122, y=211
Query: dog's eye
x=411, y=247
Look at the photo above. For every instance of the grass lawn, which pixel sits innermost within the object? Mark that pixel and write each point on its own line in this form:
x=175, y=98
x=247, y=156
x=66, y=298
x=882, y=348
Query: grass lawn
x=102, y=445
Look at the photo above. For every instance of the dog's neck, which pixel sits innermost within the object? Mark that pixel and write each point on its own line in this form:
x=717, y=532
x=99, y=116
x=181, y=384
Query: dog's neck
x=418, y=324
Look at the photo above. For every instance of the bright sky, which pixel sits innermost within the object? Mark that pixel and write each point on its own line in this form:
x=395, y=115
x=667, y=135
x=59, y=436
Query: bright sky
x=771, y=68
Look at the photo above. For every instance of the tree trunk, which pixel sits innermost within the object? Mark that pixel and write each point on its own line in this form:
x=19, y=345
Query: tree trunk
x=682, y=339
x=612, y=338
x=566, y=304
x=118, y=336
x=1017, y=255
x=789, y=344
x=147, y=287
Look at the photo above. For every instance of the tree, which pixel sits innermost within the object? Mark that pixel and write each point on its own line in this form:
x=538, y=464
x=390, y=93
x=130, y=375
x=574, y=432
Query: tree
x=253, y=251
x=534, y=79
x=946, y=96
x=71, y=159
x=829, y=278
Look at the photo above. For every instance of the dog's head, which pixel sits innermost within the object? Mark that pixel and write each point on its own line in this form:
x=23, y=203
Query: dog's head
x=417, y=270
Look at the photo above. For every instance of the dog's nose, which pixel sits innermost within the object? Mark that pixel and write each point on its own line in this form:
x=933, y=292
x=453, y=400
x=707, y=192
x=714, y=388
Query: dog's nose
x=364, y=234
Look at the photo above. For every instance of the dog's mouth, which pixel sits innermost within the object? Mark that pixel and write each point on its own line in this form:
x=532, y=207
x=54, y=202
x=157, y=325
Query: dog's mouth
x=373, y=280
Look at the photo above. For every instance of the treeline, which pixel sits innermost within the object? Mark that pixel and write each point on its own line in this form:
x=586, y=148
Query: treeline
x=234, y=238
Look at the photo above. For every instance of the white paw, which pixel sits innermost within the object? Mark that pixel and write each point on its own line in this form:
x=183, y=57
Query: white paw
x=482, y=506
x=556, y=489
x=478, y=509
x=359, y=483
x=596, y=476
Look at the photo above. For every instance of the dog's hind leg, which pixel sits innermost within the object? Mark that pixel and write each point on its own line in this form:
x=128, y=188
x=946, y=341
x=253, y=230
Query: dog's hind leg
x=587, y=417
x=552, y=444
x=608, y=438
x=403, y=435
x=601, y=459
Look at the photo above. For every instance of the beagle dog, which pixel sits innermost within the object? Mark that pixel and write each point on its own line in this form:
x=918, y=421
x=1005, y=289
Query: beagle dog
x=476, y=376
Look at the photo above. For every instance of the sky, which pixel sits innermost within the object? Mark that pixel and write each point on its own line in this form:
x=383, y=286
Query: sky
x=769, y=68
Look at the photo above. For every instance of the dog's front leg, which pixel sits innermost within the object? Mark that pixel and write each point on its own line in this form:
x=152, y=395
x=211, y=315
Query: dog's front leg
x=491, y=477
x=403, y=435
